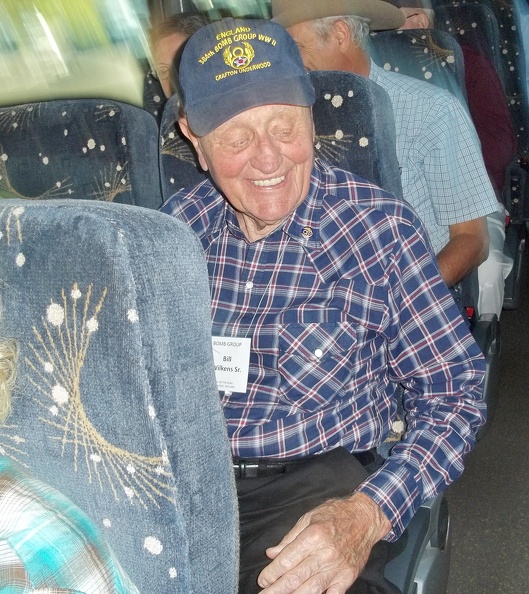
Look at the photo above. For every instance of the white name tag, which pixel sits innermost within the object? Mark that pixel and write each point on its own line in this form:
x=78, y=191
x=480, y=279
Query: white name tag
x=232, y=360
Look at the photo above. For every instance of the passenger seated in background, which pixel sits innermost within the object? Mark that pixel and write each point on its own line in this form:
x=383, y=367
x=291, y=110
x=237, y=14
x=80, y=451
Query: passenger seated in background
x=325, y=289
x=443, y=175
x=167, y=39
x=490, y=113
x=47, y=544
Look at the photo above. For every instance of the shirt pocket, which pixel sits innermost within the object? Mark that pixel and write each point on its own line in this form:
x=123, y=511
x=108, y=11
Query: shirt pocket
x=315, y=364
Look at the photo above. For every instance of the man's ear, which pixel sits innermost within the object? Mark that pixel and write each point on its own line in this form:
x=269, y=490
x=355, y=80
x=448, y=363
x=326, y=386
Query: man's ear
x=342, y=35
x=421, y=20
x=194, y=140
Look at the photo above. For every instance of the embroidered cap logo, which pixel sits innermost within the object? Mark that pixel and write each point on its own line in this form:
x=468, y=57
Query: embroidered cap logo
x=240, y=57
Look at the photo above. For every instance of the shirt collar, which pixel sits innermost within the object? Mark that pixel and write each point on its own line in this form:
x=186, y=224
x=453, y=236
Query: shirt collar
x=374, y=72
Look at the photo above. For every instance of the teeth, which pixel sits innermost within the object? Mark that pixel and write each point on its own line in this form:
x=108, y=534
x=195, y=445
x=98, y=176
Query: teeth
x=269, y=182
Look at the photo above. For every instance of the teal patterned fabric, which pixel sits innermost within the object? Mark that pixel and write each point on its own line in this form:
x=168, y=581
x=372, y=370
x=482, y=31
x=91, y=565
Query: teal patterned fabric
x=426, y=54
x=89, y=149
x=47, y=544
x=116, y=404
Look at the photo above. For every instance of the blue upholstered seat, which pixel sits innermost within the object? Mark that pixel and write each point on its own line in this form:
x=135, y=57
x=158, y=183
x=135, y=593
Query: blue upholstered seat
x=116, y=403
x=491, y=25
x=153, y=97
x=355, y=129
x=91, y=149
x=426, y=54
x=475, y=25
x=179, y=166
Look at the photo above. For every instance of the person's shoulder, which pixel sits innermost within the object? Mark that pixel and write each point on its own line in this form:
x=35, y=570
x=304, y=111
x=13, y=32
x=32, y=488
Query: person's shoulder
x=196, y=205
x=346, y=190
x=414, y=89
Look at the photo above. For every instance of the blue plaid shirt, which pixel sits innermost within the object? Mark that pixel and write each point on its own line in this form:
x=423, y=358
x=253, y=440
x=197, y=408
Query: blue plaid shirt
x=342, y=303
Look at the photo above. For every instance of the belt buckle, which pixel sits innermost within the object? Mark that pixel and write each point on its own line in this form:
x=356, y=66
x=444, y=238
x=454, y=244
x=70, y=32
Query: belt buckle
x=245, y=469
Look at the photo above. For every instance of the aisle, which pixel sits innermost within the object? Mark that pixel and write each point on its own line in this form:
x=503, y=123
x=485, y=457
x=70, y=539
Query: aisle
x=490, y=503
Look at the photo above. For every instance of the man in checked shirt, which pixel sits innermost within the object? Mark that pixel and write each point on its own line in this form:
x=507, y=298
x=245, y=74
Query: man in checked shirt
x=325, y=297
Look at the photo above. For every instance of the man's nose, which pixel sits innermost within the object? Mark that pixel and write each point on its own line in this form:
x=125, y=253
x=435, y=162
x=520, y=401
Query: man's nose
x=267, y=157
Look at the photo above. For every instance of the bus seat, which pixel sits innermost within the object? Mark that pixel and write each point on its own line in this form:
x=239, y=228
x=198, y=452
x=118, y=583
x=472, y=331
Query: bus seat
x=90, y=149
x=110, y=306
x=179, y=166
x=355, y=129
x=475, y=25
x=426, y=54
x=153, y=97
x=514, y=40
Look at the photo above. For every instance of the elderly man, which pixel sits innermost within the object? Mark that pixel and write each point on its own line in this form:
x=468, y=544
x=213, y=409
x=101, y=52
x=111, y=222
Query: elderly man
x=443, y=175
x=325, y=298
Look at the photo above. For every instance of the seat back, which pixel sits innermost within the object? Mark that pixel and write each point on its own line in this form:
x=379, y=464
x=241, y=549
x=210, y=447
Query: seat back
x=509, y=53
x=179, y=166
x=116, y=403
x=153, y=97
x=91, y=149
x=475, y=25
x=425, y=54
x=355, y=129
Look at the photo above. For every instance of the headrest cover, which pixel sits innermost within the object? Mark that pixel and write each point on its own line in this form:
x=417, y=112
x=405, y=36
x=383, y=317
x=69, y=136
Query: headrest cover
x=233, y=65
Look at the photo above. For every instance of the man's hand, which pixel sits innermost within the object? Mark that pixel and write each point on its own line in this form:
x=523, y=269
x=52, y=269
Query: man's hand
x=327, y=549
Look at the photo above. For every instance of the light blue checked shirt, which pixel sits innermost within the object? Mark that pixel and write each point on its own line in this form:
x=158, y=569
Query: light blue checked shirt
x=342, y=303
x=442, y=170
x=47, y=544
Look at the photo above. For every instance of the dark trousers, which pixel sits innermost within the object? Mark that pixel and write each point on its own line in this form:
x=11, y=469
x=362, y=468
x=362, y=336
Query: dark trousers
x=270, y=506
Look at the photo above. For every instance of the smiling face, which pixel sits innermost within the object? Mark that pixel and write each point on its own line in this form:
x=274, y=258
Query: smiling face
x=261, y=160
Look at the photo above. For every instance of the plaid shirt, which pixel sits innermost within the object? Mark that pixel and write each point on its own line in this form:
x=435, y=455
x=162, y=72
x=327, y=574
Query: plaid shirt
x=342, y=303
x=47, y=544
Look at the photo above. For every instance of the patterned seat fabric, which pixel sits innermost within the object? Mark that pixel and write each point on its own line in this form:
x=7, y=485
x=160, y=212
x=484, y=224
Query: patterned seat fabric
x=426, y=54
x=153, y=97
x=474, y=25
x=90, y=149
x=116, y=403
x=355, y=129
x=506, y=50
x=179, y=166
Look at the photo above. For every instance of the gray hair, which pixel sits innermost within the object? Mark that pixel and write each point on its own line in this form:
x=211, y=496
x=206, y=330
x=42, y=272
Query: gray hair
x=8, y=359
x=358, y=28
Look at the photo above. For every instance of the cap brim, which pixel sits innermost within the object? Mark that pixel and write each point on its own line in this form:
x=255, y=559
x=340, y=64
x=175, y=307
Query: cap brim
x=291, y=91
x=382, y=15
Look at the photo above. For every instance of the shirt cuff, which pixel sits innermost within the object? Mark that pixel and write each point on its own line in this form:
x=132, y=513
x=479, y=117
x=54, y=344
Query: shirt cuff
x=395, y=488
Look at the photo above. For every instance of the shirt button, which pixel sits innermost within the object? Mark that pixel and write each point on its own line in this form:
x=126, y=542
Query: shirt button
x=318, y=353
x=249, y=285
x=226, y=393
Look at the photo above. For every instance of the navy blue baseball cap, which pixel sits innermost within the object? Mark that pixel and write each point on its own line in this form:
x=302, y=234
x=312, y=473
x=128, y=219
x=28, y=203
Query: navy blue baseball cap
x=233, y=65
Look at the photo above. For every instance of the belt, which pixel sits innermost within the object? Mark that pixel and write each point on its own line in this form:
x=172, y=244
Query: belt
x=262, y=467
